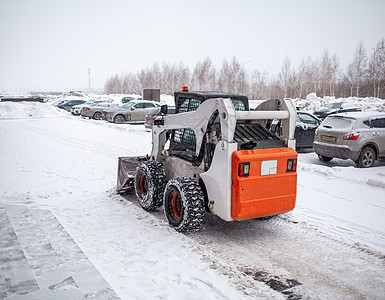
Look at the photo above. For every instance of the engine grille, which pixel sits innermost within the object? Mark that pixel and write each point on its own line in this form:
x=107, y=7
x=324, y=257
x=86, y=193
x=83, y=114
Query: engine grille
x=255, y=136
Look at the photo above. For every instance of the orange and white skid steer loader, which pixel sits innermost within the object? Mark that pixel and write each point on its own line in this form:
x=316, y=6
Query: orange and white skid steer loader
x=216, y=155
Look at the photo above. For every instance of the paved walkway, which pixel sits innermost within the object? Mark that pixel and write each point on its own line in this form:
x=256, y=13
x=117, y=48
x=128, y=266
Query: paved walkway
x=39, y=260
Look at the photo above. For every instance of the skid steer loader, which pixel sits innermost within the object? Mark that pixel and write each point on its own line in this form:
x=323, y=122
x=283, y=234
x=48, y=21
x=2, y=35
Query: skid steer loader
x=216, y=155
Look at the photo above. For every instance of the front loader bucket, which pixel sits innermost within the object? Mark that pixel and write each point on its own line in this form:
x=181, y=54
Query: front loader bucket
x=126, y=174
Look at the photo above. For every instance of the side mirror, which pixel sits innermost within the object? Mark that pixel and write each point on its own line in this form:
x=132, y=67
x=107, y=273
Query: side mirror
x=164, y=109
x=132, y=108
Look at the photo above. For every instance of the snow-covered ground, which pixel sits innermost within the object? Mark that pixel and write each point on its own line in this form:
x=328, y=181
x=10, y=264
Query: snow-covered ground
x=331, y=246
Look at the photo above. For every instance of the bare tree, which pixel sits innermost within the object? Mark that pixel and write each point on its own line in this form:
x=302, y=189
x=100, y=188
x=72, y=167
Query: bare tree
x=204, y=75
x=236, y=75
x=334, y=65
x=285, y=74
x=321, y=76
x=224, y=77
x=259, y=85
x=325, y=71
x=359, y=67
x=350, y=77
x=377, y=67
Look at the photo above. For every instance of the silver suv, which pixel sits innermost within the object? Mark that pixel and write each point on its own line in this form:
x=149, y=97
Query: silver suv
x=358, y=136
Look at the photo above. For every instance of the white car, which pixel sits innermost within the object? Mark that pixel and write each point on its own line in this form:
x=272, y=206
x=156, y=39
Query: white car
x=135, y=110
x=76, y=109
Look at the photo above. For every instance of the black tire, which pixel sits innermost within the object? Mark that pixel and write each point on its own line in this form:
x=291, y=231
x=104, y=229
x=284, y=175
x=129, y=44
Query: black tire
x=184, y=204
x=324, y=158
x=367, y=158
x=98, y=115
x=119, y=119
x=150, y=181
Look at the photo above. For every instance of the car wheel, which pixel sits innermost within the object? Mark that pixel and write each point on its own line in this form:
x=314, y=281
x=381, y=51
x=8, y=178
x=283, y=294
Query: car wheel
x=119, y=119
x=98, y=115
x=184, y=204
x=324, y=158
x=366, y=158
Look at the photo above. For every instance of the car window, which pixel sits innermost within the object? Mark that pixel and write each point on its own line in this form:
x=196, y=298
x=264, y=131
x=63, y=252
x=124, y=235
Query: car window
x=378, y=123
x=334, y=105
x=307, y=119
x=337, y=122
x=128, y=105
x=148, y=105
x=139, y=105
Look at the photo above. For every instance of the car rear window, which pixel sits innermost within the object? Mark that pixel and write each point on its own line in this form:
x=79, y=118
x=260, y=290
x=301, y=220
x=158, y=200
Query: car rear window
x=337, y=122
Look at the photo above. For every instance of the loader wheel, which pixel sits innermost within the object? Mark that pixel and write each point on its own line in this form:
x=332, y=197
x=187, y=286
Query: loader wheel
x=184, y=204
x=98, y=115
x=150, y=180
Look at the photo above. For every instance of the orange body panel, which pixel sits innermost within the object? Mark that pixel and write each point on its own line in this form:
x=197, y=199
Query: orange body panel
x=259, y=195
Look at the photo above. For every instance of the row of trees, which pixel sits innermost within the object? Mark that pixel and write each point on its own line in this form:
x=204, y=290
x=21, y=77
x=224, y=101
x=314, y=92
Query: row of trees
x=363, y=77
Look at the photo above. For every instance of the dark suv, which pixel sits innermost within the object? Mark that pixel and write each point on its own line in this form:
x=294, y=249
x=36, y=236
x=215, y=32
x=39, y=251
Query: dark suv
x=335, y=108
x=357, y=136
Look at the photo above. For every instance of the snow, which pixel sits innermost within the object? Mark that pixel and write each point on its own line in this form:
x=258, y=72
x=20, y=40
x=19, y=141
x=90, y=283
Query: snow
x=333, y=243
x=312, y=102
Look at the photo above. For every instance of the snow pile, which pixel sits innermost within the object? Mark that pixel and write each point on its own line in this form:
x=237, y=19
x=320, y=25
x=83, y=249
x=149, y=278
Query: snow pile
x=16, y=110
x=312, y=102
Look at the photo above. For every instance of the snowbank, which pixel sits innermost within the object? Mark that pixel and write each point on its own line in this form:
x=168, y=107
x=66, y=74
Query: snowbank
x=16, y=110
x=312, y=103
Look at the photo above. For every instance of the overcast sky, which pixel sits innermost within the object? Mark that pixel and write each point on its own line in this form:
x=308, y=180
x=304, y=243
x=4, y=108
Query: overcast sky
x=50, y=44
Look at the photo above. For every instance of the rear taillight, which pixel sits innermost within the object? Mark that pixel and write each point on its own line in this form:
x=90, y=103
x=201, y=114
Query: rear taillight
x=87, y=109
x=316, y=132
x=244, y=169
x=291, y=165
x=351, y=136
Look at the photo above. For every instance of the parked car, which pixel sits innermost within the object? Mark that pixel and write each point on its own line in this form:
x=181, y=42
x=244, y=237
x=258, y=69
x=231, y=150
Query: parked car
x=68, y=104
x=134, y=110
x=336, y=107
x=357, y=136
x=76, y=109
x=128, y=99
x=58, y=102
x=149, y=118
x=94, y=111
x=305, y=128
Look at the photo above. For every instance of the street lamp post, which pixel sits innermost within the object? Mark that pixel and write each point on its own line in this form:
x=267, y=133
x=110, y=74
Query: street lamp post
x=374, y=69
